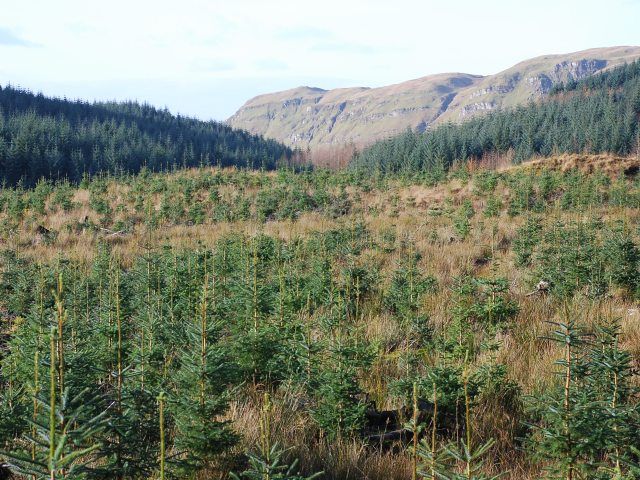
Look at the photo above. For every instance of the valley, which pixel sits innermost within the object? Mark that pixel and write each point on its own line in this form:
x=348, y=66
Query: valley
x=182, y=299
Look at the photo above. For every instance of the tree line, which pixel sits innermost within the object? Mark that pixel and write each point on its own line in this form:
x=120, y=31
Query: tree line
x=595, y=115
x=53, y=138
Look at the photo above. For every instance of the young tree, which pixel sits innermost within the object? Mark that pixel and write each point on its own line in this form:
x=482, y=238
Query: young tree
x=65, y=431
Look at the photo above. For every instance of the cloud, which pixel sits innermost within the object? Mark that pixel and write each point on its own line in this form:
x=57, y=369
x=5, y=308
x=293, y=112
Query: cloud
x=8, y=38
x=303, y=33
x=213, y=65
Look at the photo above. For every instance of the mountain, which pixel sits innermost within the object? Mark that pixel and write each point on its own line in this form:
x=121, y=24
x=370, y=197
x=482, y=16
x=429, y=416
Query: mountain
x=598, y=114
x=52, y=138
x=534, y=78
x=312, y=117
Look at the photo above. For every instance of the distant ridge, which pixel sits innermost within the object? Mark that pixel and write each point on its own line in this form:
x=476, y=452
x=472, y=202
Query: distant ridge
x=311, y=117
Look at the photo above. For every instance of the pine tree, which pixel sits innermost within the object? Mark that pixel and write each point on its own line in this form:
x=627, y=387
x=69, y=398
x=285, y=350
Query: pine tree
x=569, y=415
x=65, y=430
x=204, y=379
x=611, y=381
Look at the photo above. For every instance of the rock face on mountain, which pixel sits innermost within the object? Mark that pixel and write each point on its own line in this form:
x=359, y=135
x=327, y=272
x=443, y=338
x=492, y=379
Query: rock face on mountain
x=532, y=79
x=312, y=117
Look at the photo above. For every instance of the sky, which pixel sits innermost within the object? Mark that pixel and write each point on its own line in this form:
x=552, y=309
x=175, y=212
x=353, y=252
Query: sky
x=205, y=58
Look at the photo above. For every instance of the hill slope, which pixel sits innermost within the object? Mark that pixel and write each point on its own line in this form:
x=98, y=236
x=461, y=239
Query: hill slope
x=57, y=138
x=309, y=282
x=312, y=117
x=597, y=114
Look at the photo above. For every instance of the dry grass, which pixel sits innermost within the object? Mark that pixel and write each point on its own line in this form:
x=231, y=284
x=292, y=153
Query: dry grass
x=529, y=358
x=606, y=163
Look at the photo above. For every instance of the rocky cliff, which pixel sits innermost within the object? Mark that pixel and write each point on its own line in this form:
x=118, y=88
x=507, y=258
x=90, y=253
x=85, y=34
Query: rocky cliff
x=312, y=117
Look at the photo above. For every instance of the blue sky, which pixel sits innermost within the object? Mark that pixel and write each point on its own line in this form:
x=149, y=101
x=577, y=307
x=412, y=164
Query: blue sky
x=207, y=57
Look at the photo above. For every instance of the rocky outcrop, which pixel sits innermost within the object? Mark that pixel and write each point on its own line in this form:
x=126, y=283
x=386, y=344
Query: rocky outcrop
x=532, y=79
x=312, y=117
x=476, y=107
x=575, y=70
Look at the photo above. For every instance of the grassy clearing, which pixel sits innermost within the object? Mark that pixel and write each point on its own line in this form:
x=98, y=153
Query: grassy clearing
x=331, y=291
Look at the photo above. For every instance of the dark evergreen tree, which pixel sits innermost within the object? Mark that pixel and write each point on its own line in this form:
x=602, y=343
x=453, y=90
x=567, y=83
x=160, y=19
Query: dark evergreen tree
x=42, y=137
x=596, y=114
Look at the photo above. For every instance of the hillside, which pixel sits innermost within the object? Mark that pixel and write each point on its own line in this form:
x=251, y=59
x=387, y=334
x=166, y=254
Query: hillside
x=598, y=114
x=313, y=309
x=54, y=138
x=532, y=79
x=310, y=116
x=314, y=117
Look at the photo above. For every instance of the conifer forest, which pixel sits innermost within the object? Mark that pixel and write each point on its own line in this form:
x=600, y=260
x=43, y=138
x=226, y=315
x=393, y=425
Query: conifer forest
x=183, y=300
